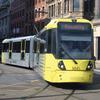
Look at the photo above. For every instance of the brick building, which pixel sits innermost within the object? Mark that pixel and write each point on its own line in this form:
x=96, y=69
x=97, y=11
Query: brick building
x=29, y=17
x=70, y=8
x=22, y=16
x=17, y=18
x=4, y=18
x=40, y=13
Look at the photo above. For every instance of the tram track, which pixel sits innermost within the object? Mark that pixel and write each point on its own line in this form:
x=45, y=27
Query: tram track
x=67, y=96
x=60, y=91
x=30, y=96
x=40, y=91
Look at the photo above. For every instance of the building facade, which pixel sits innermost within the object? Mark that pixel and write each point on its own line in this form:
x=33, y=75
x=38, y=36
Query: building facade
x=4, y=19
x=96, y=23
x=17, y=18
x=40, y=13
x=64, y=8
x=70, y=8
x=22, y=16
x=29, y=17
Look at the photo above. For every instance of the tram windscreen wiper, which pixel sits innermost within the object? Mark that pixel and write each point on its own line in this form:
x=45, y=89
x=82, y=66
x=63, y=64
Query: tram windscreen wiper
x=69, y=54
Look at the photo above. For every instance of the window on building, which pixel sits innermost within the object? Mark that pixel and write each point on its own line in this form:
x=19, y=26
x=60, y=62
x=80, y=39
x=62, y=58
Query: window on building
x=89, y=9
x=43, y=11
x=30, y=16
x=39, y=12
x=0, y=22
x=23, y=11
x=65, y=6
x=76, y=5
x=59, y=8
x=54, y=9
x=6, y=20
x=49, y=10
x=35, y=1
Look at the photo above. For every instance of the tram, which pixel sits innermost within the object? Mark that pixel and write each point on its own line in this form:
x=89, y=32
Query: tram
x=18, y=51
x=66, y=55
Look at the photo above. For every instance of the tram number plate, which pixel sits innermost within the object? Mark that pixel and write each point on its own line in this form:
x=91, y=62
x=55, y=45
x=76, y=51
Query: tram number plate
x=75, y=68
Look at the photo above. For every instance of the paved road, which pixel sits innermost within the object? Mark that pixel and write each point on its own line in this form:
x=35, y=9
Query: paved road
x=24, y=84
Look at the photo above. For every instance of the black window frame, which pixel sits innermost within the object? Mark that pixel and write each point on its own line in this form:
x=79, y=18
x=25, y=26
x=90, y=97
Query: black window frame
x=16, y=47
x=51, y=41
x=5, y=47
x=27, y=47
x=34, y=46
x=23, y=49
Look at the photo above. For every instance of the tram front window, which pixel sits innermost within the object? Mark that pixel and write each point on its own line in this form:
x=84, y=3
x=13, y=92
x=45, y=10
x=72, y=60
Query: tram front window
x=75, y=41
x=75, y=49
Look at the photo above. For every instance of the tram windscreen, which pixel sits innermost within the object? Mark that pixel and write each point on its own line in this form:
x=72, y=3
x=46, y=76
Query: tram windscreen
x=74, y=40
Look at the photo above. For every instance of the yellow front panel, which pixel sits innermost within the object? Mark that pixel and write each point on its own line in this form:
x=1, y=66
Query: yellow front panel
x=3, y=58
x=73, y=76
x=69, y=76
x=52, y=72
x=53, y=23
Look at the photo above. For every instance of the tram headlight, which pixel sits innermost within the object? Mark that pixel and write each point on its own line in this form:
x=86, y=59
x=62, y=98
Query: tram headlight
x=90, y=66
x=61, y=65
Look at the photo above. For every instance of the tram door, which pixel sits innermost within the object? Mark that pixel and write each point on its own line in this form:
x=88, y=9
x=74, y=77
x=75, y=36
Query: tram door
x=10, y=50
x=36, y=53
x=23, y=46
x=98, y=48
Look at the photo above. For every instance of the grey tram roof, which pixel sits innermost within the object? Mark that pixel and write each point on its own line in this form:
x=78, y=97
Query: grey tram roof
x=18, y=39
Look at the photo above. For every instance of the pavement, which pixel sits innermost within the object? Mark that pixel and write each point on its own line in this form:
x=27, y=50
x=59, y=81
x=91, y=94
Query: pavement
x=0, y=72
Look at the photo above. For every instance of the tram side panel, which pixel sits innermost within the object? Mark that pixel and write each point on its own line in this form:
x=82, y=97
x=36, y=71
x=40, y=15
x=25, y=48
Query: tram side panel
x=39, y=57
x=5, y=49
x=16, y=56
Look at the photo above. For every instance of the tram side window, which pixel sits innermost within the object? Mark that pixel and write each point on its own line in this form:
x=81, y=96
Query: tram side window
x=5, y=47
x=54, y=41
x=41, y=48
x=23, y=44
x=27, y=46
x=49, y=36
x=34, y=46
x=10, y=45
x=38, y=47
x=16, y=47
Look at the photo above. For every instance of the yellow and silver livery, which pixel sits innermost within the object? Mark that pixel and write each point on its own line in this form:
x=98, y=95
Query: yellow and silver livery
x=18, y=51
x=67, y=53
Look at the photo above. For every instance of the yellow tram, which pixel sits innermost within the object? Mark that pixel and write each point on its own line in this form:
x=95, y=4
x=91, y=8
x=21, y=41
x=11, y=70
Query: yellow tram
x=67, y=53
